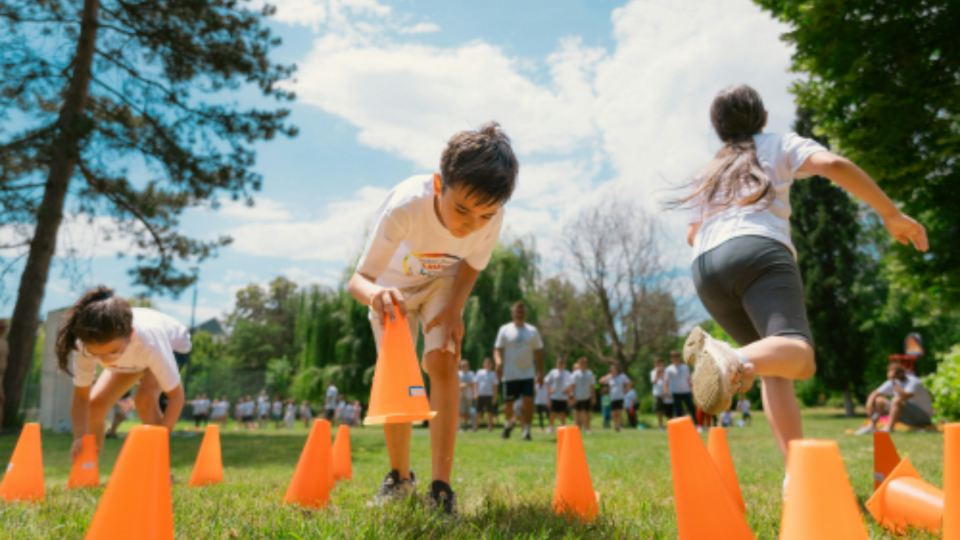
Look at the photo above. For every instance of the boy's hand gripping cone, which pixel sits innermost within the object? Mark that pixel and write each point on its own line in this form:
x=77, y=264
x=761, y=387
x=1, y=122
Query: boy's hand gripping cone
x=705, y=508
x=24, y=477
x=398, y=395
x=574, y=493
x=209, y=466
x=885, y=457
x=313, y=477
x=951, y=483
x=342, y=460
x=137, y=502
x=720, y=453
x=904, y=499
x=86, y=471
x=819, y=502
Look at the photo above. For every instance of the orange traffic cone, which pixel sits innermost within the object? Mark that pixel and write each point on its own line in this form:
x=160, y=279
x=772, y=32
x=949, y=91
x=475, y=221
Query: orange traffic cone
x=398, y=395
x=703, y=502
x=209, y=466
x=24, y=478
x=560, y=431
x=574, y=493
x=720, y=452
x=951, y=483
x=137, y=501
x=342, y=461
x=904, y=499
x=311, y=483
x=885, y=457
x=819, y=502
x=86, y=472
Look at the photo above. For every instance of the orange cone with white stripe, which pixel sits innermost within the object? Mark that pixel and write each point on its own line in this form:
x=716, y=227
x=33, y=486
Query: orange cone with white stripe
x=24, y=477
x=86, y=471
x=398, y=395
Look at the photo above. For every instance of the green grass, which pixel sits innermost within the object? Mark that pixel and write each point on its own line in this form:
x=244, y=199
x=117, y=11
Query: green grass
x=505, y=487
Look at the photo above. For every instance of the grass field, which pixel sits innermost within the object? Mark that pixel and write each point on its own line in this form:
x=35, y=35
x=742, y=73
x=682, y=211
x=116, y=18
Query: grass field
x=505, y=487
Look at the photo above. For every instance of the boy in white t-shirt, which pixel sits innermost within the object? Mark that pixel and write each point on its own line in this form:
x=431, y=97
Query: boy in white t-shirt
x=658, y=383
x=558, y=381
x=263, y=412
x=305, y=413
x=330, y=403
x=487, y=383
x=518, y=352
x=541, y=401
x=619, y=384
x=584, y=392
x=432, y=237
x=468, y=389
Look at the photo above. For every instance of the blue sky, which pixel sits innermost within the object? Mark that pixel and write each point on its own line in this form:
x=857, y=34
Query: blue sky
x=602, y=99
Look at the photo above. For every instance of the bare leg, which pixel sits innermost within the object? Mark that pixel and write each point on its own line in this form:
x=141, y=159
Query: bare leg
x=147, y=400
x=586, y=419
x=441, y=365
x=787, y=358
x=398, y=446
x=660, y=418
x=783, y=411
x=508, y=411
x=877, y=406
x=617, y=419
x=896, y=409
x=108, y=389
x=527, y=410
x=553, y=419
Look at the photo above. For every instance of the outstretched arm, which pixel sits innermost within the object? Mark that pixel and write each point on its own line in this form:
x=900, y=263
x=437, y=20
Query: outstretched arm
x=847, y=175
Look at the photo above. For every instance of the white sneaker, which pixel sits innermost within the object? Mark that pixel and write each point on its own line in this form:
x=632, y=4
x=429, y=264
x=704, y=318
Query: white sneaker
x=865, y=430
x=717, y=372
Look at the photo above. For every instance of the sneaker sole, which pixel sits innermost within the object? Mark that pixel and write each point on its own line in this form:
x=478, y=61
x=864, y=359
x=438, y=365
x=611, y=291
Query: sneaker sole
x=707, y=377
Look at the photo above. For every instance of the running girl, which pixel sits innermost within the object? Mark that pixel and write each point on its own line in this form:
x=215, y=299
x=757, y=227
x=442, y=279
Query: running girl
x=132, y=345
x=744, y=264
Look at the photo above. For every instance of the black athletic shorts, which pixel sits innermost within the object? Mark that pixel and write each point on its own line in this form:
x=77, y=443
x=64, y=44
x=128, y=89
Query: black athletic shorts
x=559, y=406
x=513, y=390
x=328, y=414
x=751, y=285
x=542, y=409
x=485, y=405
x=582, y=405
x=616, y=404
x=247, y=418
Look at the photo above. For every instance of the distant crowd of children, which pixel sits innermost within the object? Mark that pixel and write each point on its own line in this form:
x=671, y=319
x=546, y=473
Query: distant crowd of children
x=258, y=414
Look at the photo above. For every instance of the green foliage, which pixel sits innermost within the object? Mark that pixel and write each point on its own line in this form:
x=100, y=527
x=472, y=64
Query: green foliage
x=307, y=385
x=883, y=88
x=279, y=375
x=263, y=323
x=944, y=386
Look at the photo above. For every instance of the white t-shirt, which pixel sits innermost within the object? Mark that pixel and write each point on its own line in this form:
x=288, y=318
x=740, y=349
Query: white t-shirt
x=657, y=386
x=155, y=338
x=305, y=411
x=518, y=345
x=780, y=155
x=541, y=395
x=487, y=382
x=262, y=399
x=223, y=408
x=582, y=382
x=291, y=411
x=247, y=408
x=921, y=397
x=409, y=246
x=277, y=407
x=468, y=378
x=744, y=406
x=678, y=378
x=201, y=406
x=617, y=385
x=263, y=407
x=558, y=382
x=331, y=402
x=629, y=399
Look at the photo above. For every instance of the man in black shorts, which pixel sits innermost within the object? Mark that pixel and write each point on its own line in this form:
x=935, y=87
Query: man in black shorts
x=517, y=348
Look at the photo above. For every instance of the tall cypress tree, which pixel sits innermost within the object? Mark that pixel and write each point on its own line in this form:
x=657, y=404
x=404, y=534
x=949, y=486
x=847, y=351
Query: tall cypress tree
x=826, y=233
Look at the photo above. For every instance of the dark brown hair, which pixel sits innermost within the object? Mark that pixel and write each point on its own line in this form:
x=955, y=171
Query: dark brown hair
x=482, y=162
x=98, y=317
x=737, y=114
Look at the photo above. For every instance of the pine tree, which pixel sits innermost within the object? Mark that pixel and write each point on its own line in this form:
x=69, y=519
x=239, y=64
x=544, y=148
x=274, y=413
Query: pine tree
x=826, y=234
x=101, y=87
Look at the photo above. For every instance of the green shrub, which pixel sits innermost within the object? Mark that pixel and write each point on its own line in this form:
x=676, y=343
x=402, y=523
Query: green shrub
x=944, y=385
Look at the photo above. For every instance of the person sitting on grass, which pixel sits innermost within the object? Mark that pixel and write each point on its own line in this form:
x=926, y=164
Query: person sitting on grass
x=558, y=381
x=432, y=237
x=487, y=383
x=619, y=384
x=584, y=392
x=744, y=264
x=305, y=413
x=903, y=397
x=134, y=346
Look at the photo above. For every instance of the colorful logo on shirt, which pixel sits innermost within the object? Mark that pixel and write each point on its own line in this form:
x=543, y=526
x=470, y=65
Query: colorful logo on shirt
x=428, y=264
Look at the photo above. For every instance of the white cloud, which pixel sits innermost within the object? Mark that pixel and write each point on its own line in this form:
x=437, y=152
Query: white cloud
x=183, y=312
x=80, y=237
x=334, y=237
x=420, y=28
x=304, y=277
x=262, y=210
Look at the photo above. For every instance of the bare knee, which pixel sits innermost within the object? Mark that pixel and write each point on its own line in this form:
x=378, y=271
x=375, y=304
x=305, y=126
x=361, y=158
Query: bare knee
x=806, y=359
x=144, y=400
x=440, y=364
x=99, y=408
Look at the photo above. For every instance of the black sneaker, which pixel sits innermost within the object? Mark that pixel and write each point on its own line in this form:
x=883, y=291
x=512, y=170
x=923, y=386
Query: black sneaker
x=394, y=488
x=506, y=431
x=443, y=498
x=526, y=435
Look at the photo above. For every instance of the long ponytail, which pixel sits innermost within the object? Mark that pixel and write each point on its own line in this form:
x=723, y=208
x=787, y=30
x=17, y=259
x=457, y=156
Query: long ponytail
x=737, y=114
x=98, y=317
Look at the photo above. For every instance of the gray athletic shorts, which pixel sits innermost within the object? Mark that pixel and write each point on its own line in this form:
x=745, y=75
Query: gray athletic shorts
x=751, y=286
x=913, y=416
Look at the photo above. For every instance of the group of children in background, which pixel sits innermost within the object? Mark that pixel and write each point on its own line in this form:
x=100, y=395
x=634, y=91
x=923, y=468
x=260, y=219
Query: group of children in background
x=257, y=414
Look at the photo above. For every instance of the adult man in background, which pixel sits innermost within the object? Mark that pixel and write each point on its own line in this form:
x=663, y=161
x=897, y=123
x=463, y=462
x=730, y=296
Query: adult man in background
x=518, y=353
x=904, y=397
